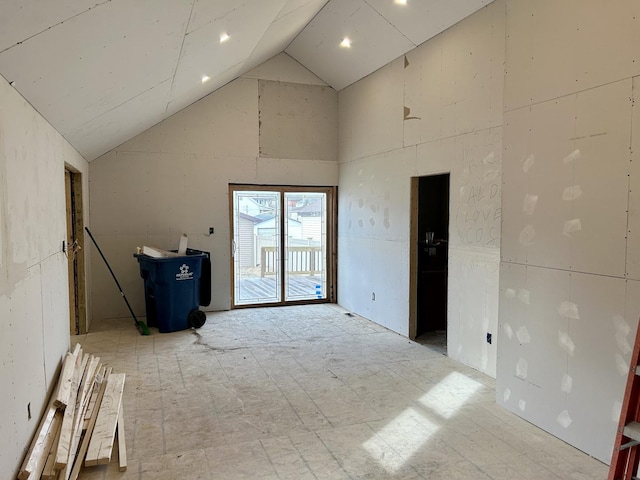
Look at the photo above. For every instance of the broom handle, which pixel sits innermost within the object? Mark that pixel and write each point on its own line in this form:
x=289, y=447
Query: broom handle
x=112, y=274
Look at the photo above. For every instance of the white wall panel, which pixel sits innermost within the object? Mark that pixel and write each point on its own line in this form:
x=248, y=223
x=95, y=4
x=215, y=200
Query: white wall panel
x=520, y=201
x=472, y=312
x=558, y=48
x=566, y=207
x=34, y=302
x=532, y=362
x=297, y=121
x=390, y=307
x=453, y=83
x=602, y=173
x=601, y=349
x=371, y=115
x=633, y=254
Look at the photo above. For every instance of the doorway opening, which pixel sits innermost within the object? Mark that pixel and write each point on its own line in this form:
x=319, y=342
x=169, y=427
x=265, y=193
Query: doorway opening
x=430, y=256
x=282, y=245
x=73, y=250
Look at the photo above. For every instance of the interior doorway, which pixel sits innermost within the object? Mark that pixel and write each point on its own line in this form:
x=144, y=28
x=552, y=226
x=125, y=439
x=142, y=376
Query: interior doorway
x=282, y=245
x=73, y=251
x=430, y=256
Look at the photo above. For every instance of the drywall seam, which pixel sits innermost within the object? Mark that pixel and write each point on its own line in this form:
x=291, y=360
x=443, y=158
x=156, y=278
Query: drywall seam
x=576, y=92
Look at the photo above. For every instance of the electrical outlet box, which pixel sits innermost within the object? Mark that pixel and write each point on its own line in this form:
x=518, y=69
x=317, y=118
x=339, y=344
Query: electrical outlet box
x=488, y=338
x=211, y=230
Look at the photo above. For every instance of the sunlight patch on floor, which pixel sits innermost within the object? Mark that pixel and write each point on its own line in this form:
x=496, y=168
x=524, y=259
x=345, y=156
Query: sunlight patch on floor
x=409, y=432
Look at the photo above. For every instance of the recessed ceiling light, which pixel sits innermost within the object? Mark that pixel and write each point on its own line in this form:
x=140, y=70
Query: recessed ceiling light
x=224, y=37
x=205, y=78
x=345, y=43
x=400, y=2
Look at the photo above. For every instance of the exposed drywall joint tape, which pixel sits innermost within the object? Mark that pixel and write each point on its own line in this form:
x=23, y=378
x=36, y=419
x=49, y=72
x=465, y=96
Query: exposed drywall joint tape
x=523, y=335
x=572, y=193
x=564, y=419
x=573, y=156
x=521, y=368
x=566, y=383
x=506, y=395
x=528, y=163
x=530, y=202
x=569, y=310
x=566, y=343
x=524, y=296
x=527, y=235
x=571, y=226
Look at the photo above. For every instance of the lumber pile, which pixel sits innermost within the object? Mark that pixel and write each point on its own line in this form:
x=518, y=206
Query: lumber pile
x=81, y=421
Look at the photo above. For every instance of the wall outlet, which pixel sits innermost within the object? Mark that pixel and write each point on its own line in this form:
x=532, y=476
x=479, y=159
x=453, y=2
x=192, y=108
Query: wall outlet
x=373, y=296
x=211, y=230
x=488, y=338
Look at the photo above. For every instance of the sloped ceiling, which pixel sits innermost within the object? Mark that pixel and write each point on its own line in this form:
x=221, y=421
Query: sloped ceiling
x=101, y=72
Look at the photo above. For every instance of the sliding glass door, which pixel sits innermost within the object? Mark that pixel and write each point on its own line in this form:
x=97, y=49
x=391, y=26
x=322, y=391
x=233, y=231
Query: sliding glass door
x=281, y=245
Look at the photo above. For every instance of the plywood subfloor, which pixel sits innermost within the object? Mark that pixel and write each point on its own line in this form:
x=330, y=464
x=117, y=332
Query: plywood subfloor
x=310, y=392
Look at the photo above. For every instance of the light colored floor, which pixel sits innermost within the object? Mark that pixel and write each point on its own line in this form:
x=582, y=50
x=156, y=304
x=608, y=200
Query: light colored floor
x=312, y=393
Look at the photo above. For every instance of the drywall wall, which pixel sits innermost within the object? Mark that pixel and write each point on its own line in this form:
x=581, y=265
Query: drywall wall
x=34, y=300
x=569, y=289
x=174, y=178
x=438, y=109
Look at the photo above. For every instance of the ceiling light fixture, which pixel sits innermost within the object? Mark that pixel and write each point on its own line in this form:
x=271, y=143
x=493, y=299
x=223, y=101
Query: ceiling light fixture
x=345, y=43
x=205, y=78
x=224, y=37
x=400, y=2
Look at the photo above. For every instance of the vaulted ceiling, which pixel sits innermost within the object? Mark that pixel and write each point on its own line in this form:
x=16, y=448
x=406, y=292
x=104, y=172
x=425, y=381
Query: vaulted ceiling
x=102, y=71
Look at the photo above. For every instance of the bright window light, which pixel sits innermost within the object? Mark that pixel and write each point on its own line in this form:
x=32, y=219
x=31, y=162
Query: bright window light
x=224, y=37
x=205, y=78
x=345, y=43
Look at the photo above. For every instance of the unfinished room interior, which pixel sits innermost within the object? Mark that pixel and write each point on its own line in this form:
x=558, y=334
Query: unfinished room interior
x=420, y=218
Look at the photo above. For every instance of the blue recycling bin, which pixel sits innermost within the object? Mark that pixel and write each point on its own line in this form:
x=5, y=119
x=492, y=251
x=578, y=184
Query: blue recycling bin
x=172, y=291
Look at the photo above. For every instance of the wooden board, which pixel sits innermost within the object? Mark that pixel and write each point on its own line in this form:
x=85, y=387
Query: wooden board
x=64, y=383
x=101, y=444
x=73, y=474
x=37, y=444
x=122, y=444
x=41, y=451
x=50, y=471
x=66, y=431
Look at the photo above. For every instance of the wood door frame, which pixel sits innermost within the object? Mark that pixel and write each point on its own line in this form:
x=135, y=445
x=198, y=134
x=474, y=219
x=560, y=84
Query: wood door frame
x=77, y=273
x=331, y=240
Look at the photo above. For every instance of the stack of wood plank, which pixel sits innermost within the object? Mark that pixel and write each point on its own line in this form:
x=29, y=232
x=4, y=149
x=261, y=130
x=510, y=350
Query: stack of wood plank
x=81, y=421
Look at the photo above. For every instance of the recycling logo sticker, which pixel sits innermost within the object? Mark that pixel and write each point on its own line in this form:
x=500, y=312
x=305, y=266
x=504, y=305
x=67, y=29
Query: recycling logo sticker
x=184, y=273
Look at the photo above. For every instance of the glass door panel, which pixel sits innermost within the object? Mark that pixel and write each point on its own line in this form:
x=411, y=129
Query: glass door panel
x=256, y=249
x=305, y=246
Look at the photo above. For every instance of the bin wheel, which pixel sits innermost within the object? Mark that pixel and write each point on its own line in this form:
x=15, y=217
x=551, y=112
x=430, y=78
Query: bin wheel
x=197, y=319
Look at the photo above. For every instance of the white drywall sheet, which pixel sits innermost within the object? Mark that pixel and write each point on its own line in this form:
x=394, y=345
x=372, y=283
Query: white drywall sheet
x=436, y=110
x=34, y=301
x=566, y=181
x=565, y=337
